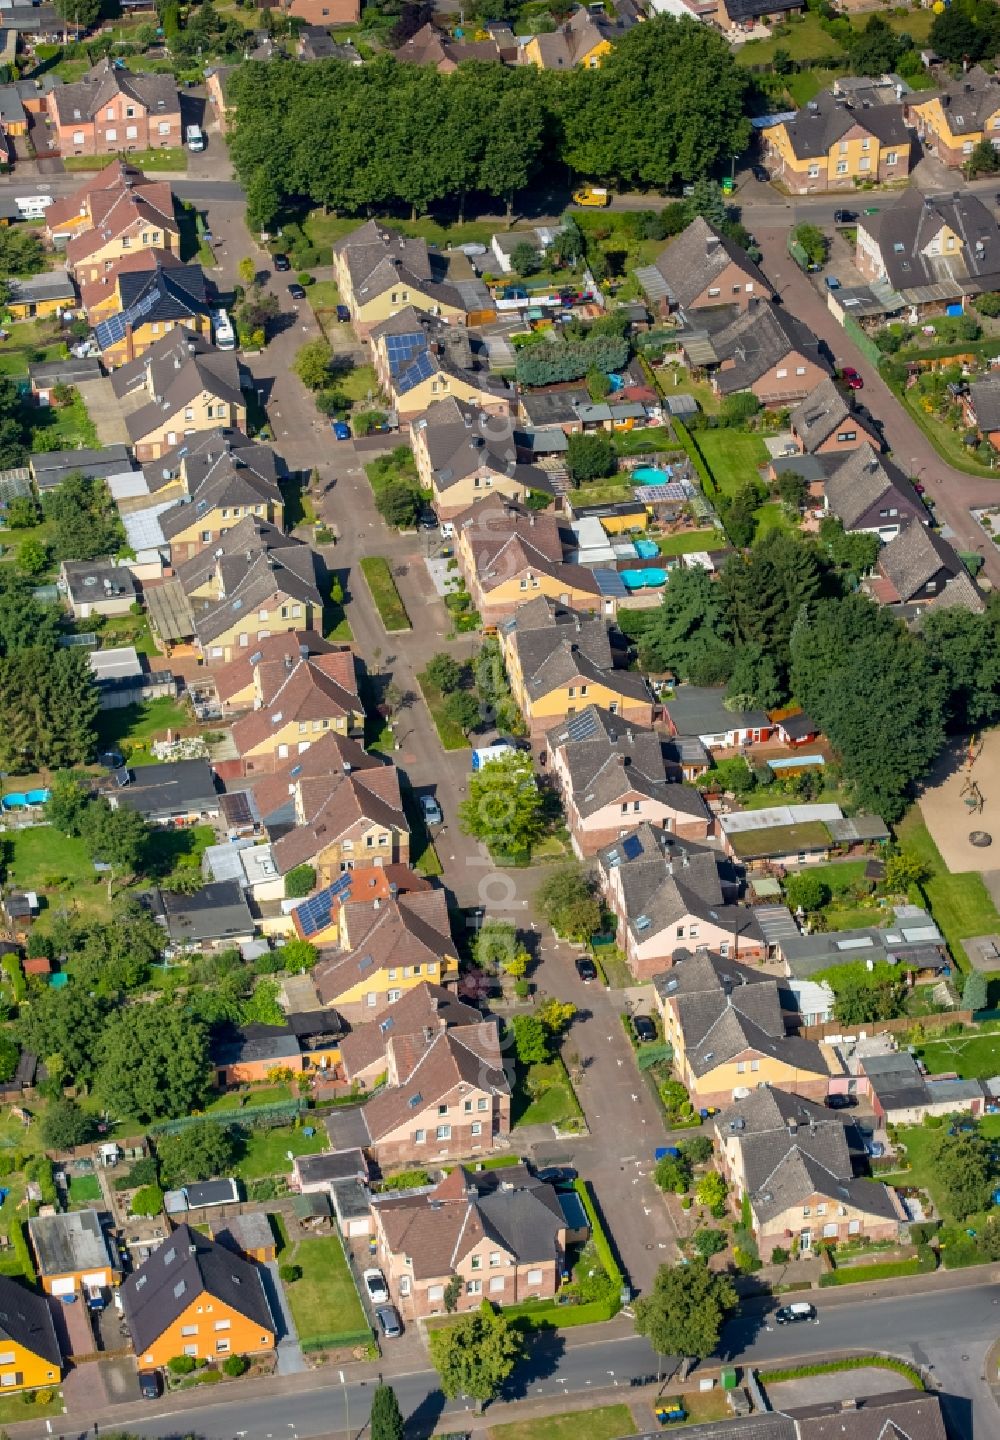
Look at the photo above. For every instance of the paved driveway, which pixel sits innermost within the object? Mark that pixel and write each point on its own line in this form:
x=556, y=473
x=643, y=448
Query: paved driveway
x=291, y=1360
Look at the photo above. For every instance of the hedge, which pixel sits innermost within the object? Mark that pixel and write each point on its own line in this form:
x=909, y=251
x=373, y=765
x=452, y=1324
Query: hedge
x=20, y=1246
x=697, y=459
x=547, y=1315
x=251, y=1117
x=601, y=1245
x=850, y=1362
x=919, y=1265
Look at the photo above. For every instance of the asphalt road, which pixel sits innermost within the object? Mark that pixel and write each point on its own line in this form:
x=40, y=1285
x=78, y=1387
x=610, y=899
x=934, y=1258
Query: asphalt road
x=948, y=1331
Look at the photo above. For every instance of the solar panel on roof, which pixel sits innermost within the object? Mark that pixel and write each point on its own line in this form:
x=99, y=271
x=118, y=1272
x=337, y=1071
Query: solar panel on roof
x=631, y=846
x=422, y=368
x=582, y=727
x=609, y=582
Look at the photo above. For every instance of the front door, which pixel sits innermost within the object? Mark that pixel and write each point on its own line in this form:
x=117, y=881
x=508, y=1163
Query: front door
x=805, y=1241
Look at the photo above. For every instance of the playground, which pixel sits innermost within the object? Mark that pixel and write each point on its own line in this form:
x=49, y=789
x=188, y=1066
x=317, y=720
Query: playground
x=962, y=799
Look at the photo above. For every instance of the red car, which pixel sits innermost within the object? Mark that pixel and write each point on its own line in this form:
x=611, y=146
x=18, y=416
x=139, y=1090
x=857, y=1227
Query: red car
x=851, y=378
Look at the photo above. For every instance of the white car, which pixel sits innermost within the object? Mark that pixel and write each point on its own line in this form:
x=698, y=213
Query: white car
x=378, y=1290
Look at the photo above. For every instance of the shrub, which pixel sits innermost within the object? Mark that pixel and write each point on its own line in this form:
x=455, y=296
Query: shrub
x=299, y=882
x=235, y=1365
x=181, y=1364
x=290, y=1273
x=779, y=1255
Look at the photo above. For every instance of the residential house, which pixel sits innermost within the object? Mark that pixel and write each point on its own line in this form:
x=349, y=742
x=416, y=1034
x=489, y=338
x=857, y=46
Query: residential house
x=911, y=941
x=793, y=727
x=423, y=1009
x=464, y=453
x=73, y=1254
x=917, y=567
x=97, y=587
x=296, y=698
x=379, y=271
x=668, y=894
x=505, y=242
x=181, y=385
x=911, y=1413
x=315, y=43
x=306, y=1042
x=789, y=1159
x=195, y=1297
x=319, y=920
x=215, y=917
x=251, y=865
x=793, y=834
x=30, y=1356
x=110, y=110
x=555, y=658
x=151, y=303
x=100, y=297
x=248, y=1235
x=322, y=12
x=50, y=468
x=933, y=250
x=900, y=1095
x=872, y=495
x=981, y=408
x=702, y=269
x=386, y=948
x=236, y=683
x=613, y=776
x=827, y=422
x=269, y=802
x=343, y=819
x=732, y=15
x=553, y=410
x=171, y=793
x=767, y=351
x=430, y=46
x=420, y=358
x=508, y=553
x=700, y=712
x=833, y=143
x=501, y=1232
x=725, y=1024
x=585, y=40
x=119, y=219
x=446, y=1095
x=217, y=477
x=37, y=297
x=952, y=121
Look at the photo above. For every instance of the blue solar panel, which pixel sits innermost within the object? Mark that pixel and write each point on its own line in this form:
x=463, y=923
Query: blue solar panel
x=400, y=349
x=110, y=332
x=609, y=582
x=631, y=848
x=421, y=369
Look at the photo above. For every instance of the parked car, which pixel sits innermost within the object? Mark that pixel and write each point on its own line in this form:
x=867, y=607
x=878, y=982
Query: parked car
x=282, y=263
x=431, y=810
x=759, y=173
x=150, y=1384
x=831, y=282
x=296, y=291
x=389, y=1322
x=586, y=969
x=645, y=1029
x=341, y=429
x=428, y=520
x=844, y=217
x=557, y=1174
x=840, y=1102
x=851, y=378
x=378, y=1290
x=793, y=1314
x=343, y=314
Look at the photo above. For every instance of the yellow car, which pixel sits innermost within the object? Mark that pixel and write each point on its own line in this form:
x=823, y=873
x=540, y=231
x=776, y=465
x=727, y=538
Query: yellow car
x=592, y=195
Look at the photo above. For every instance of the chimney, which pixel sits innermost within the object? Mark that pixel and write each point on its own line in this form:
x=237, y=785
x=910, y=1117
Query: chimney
x=850, y=1403
x=577, y=624
x=629, y=736
x=793, y=1126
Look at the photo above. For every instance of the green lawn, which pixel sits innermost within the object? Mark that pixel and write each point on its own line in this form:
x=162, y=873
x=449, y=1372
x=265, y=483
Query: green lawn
x=554, y=1100
x=688, y=540
x=137, y=725
x=805, y=39
x=169, y=158
x=324, y=1303
x=382, y=588
x=946, y=441
x=322, y=230
x=638, y=442
x=450, y=735
x=84, y=1190
x=62, y=427
x=15, y=1409
x=359, y=383
x=960, y=904
x=975, y=1057
x=732, y=456
x=605, y=1422
x=323, y=295
x=15, y=359
x=266, y=1151
x=237, y=1099
x=771, y=516
x=58, y=866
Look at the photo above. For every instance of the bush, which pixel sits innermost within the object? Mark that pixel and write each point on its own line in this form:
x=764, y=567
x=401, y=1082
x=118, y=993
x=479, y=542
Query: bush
x=850, y=1362
x=779, y=1255
x=181, y=1364
x=299, y=882
x=290, y=1273
x=235, y=1365
x=522, y=989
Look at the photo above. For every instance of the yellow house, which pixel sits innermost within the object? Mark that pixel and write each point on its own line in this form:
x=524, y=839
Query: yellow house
x=150, y=304
x=464, y=453
x=39, y=296
x=120, y=220
x=379, y=271
x=510, y=554
x=586, y=40
x=29, y=1351
x=387, y=948
x=559, y=662
x=833, y=144
x=726, y=1028
x=219, y=478
x=72, y=1253
x=295, y=701
x=952, y=122
x=180, y=386
x=343, y=820
x=419, y=359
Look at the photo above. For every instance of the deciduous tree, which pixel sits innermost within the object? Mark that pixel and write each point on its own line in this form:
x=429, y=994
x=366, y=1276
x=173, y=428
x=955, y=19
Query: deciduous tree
x=476, y=1355
x=685, y=1311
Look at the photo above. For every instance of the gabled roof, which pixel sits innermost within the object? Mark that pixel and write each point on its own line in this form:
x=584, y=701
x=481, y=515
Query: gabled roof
x=463, y=439
x=332, y=807
x=419, y=345
x=379, y=258
x=298, y=688
x=863, y=481
x=696, y=257
x=555, y=646
x=321, y=911
x=968, y=103
x=106, y=83
x=273, y=796
x=514, y=1210
x=26, y=1320
x=900, y=1415
x=823, y=412
x=186, y=1266
x=257, y=565
x=173, y=292
x=426, y=1007
x=914, y=557
x=827, y=118
x=119, y=208
x=426, y=1070
x=701, y=710
x=238, y=675
x=172, y=373
x=507, y=538
x=907, y=234
x=152, y=257
x=406, y=930
x=218, y=911
x=757, y=340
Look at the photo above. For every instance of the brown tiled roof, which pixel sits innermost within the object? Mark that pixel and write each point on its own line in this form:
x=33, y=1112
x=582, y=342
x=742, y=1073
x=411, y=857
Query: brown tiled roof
x=69, y=207
x=118, y=209
x=105, y=83
x=426, y=1006
x=331, y=754
x=433, y=1069
x=237, y=675
x=407, y=930
x=95, y=292
x=333, y=806
x=317, y=687
x=507, y=538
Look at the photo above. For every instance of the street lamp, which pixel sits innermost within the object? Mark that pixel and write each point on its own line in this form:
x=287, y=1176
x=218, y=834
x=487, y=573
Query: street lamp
x=347, y=1405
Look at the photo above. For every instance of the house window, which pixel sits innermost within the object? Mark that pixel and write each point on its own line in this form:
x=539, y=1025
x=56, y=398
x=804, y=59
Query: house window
x=467, y=1107
x=109, y=113
x=442, y=1109
x=714, y=291
x=77, y=137
x=371, y=999
x=813, y=172
x=967, y=147
x=8, y=1357
x=781, y=374
x=534, y=1277
x=111, y=135
x=191, y=1350
x=841, y=167
x=800, y=369
x=206, y=537
x=496, y=1284
x=222, y=1347
x=393, y=996
x=842, y=147
x=846, y=436
x=680, y=932
x=481, y=1104
x=891, y=158
x=189, y=1329
x=477, y=1262
x=419, y=1136
x=131, y=133
x=820, y=1209
x=443, y=1132
x=9, y=1379
x=164, y=127
x=741, y=1067
x=474, y=1287
x=394, y=973
x=866, y=144
x=477, y=1128
x=864, y=163
x=435, y=1292
x=496, y=1260
x=692, y=932
x=806, y=1211
x=754, y=1064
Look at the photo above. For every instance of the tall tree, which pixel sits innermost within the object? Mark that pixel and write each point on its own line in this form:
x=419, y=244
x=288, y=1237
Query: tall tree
x=63, y=1023
x=685, y=1311
x=152, y=1062
x=386, y=1421
x=690, y=634
x=964, y=654
x=476, y=1355
x=48, y=709
x=202, y=1151
x=505, y=807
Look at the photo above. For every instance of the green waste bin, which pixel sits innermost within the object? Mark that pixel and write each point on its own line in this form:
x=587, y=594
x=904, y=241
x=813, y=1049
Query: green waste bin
x=728, y=1378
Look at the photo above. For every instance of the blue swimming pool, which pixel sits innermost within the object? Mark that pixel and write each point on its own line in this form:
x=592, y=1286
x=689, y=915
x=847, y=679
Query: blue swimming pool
x=617, y=383
x=20, y=800
x=650, y=475
x=647, y=549
x=643, y=579
x=38, y=797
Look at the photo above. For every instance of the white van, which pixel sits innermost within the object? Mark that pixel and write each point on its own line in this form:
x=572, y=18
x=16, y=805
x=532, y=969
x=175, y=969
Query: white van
x=222, y=329
x=194, y=137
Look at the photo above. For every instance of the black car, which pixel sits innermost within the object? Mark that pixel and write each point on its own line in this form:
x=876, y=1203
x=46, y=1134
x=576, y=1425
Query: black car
x=793, y=1314
x=759, y=173
x=282, y=263
x=296, y=291
x=840, y=1102
x=644, y=1028
x=557, y=1174
x=844, y=217
x=150, y=1384
x=343, y=314
x=586, y=969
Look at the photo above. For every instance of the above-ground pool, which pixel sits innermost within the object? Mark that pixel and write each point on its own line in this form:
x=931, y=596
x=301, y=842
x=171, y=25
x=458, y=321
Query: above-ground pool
x=643, y=579
x=38, y=797
x=617, y=383
x=650, y=475
x=19, y=800
x=647, y=549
